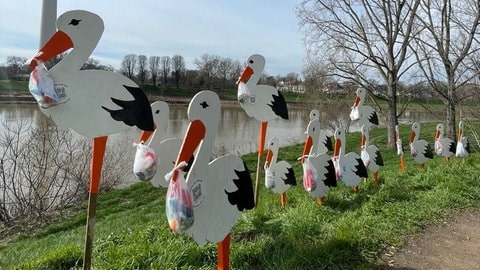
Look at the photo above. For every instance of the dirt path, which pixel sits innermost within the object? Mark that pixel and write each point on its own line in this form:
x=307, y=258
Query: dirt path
x=453, y=245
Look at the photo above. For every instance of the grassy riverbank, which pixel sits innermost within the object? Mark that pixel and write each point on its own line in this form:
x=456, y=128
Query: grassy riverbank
x=349, y=231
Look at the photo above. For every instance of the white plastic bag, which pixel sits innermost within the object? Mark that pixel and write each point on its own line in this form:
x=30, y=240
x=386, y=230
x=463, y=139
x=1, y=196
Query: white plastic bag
x=146, y=162
x=399, y=148
x=243, y=94
x=354, y=114
x=178, y=206
x=41, y=86
x=310, y=176
x=365, y=157
x=269, y=178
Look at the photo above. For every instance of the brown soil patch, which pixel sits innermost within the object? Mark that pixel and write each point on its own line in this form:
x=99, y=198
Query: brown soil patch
x=455, y=244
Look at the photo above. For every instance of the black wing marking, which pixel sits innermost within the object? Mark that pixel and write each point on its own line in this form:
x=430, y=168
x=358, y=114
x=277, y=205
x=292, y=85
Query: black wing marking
x=136, y=112
x=361, y=169
x=328, y=143
x=378, y=158
x=452, y=147
x=330, y=178
x=373, y=118
x=279, y=106
x=428, y=151
x=290, y=178
x=243, y=196
x=467, y=147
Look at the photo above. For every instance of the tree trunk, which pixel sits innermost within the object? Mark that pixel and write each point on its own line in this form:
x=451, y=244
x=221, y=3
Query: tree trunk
x=451, y=104
x=391, y=121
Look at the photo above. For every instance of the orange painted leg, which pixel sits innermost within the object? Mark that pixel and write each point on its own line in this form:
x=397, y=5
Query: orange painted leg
x=261, y=145
x=355, y=189
x=447, y=159
x=283, y=199
x=422, y=166
x=99, y=145
x=223, y=249
x=402, y=164
x=320, y=200
x=375, y=178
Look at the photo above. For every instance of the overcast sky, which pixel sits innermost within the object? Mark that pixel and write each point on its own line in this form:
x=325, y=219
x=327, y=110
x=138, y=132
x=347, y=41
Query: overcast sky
x=228, y=28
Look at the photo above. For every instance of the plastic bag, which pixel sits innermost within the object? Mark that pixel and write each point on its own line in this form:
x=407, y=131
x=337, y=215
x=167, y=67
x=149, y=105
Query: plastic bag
x=244, y=95
x=365, y=157
x=269, y=178
x=354, y=114
x=310, y=176
x=179, y=207
x=146, y=162
x=42, y=88
x=338, y=169
x=399, y=148
x=461, y=151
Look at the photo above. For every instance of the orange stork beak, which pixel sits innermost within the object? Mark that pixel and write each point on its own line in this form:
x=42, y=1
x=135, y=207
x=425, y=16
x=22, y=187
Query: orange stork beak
x=336, y=149
x=363, y=139
x=268, y=160
x=246, y=74
x=194, y=135
x=437, y=134
x=412, y=136
x=146, y=134
x=307, y=147
x=356, y=101
x=460, y=133
x=56, y=45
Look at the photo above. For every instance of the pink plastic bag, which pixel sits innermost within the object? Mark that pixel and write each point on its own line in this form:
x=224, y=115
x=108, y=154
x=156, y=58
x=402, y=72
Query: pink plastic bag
x=310, y=177
x=179, y=207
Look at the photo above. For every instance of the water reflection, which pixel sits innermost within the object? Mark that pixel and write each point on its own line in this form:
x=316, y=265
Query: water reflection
x=237, y=133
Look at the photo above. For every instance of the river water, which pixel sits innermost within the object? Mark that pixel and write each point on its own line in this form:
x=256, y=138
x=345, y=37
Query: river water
x=237, y=133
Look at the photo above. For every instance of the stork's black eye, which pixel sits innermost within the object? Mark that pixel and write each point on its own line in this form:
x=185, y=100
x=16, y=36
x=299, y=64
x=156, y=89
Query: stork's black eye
x=157, y=111
x=313, y=129
x=251, y=61
x=74, y=22
x=204, y=104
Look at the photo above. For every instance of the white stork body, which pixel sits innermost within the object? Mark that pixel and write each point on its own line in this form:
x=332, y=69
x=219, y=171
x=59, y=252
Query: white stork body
x=322, y=164
x=362, y=114
x=221, y=189
x=370, y=154
x=463, y=147
x=420, y=150
x=349, y=167
x=444, y=147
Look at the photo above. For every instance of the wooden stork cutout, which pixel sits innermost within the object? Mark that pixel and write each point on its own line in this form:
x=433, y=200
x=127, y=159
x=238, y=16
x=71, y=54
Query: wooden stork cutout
x=398, y=142
x=370, y=154
x=463, y=146
x=444, y=147
x=262, y=102
x=279, y=176
x=420, y=150
x=99, y=103
x=362, y=114
x=221, y=189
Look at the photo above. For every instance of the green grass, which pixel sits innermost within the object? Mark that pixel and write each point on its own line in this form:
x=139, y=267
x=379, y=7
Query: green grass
x=349, y=231
x=8, y=86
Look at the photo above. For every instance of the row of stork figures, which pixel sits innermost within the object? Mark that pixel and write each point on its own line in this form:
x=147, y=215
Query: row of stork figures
x=322, y=172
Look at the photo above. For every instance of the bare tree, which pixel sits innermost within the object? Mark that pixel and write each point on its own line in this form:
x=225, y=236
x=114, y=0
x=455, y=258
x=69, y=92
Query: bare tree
x=16, y=65
x=165, y=69
x=179, y=69
x=44, y=168
x=142, y=69
x=154, y=66
x=207, y=66
x=128, y=65
x=360, y=40
x=224, y=68
x=93, y=63
x=445, y=50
